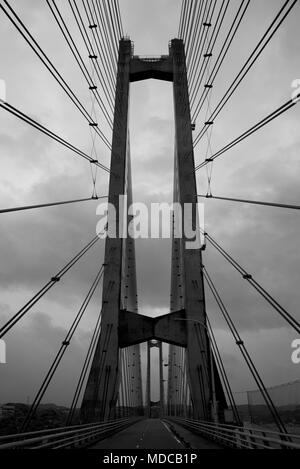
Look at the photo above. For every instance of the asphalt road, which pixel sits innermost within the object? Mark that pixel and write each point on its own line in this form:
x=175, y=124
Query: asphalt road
x=146, y=434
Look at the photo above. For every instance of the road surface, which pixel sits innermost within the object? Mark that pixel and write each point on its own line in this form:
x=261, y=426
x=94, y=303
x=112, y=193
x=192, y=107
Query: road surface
x=149, y=434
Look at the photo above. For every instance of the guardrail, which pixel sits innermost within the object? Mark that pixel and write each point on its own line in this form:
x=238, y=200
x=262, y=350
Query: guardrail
x=77, y=436
x=239, y=437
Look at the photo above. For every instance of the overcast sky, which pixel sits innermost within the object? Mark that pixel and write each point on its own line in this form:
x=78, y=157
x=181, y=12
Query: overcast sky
x=36, y=244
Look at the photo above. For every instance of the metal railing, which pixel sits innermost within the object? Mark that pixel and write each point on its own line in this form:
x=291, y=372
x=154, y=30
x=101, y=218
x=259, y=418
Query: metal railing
x=77, y=436
x=239, y=437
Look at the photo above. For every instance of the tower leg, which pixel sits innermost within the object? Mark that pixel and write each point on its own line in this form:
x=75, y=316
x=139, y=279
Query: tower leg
x=148, y=384
x=101, y=392
x=161, y=381
x=187, y=263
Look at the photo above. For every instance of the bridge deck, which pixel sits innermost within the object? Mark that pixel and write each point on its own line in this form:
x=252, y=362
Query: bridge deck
x=152, y=434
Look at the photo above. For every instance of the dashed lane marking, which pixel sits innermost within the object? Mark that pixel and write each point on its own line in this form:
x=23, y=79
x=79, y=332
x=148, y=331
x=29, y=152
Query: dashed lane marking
x=166, y=426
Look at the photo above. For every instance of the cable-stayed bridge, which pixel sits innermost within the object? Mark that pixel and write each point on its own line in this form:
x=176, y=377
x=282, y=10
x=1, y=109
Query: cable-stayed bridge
x=112, y=406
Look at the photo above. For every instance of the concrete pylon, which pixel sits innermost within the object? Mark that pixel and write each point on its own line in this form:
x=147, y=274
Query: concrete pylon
x=148, y=381
x=119, y=281
x=121, y=325
x=187, y=279
x=161, y=380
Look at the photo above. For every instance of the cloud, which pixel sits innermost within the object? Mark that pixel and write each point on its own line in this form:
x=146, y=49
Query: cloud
x=30, y=352
x=34, y=245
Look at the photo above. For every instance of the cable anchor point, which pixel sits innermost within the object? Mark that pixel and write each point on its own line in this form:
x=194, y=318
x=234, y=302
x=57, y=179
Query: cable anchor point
x=55, y=279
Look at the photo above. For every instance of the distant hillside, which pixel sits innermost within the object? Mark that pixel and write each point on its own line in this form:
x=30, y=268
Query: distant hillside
x=260, y=413
x=47, y=416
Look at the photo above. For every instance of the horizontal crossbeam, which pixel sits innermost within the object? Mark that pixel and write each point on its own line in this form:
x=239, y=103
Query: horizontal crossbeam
x=158, y=68
x=135, y=328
